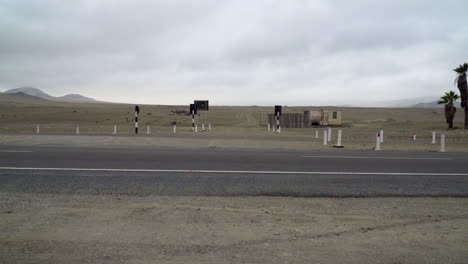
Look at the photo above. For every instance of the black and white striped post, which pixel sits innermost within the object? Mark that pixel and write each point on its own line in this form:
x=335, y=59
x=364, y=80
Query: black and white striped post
x=193, y=111
x=278, y=113
x=137, y=111
x=193, y=119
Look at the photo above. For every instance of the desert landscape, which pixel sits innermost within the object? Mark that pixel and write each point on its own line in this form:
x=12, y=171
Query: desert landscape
x=240, y=126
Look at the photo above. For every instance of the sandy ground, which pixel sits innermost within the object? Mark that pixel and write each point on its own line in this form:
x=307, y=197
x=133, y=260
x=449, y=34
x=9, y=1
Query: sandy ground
x=239, y=127
x=284, y=141
x=157, y=229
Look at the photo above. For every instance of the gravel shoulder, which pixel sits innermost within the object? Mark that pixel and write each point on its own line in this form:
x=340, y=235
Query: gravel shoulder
x=54, y=228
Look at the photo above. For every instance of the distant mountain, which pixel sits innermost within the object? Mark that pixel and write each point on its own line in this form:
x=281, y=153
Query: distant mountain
x=432, y=105
x=30, y=91
x=75, y=98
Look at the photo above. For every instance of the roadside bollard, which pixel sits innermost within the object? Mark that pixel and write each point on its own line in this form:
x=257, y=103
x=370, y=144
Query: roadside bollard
x=115, y=130
x=338, y=140
x=209, y=127
x=442, y=143
x=414, y=136
x=38, y=129
x=175, y=129
x=377, y=142
x=203, y=126
x=196, y=128
x=329, y=133
x=381, y=136
x=316, y=133
x=433, y=137
x=268, y=126
x=279, y=129
x=77, y=130
x=325, y=138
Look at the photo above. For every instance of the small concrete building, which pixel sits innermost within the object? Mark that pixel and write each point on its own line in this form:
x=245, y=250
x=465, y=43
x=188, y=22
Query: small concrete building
x=308, y=119
x=324, y=117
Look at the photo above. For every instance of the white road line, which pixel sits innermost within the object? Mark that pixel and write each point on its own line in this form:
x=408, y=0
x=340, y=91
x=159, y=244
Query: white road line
x=242, y=172
x=366, y=157
x=16, y=151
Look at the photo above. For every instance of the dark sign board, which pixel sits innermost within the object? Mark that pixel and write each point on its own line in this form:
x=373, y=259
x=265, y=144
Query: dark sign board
x=193, y=109
x=277, y=110
x=201, y=105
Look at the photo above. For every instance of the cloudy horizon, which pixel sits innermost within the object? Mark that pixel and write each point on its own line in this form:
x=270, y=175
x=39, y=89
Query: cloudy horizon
x=234, y=52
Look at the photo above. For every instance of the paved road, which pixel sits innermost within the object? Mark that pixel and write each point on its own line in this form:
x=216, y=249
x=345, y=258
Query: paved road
x=232, y=172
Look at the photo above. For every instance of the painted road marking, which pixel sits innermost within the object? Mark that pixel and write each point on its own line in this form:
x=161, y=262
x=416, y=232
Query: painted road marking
x=242, y=172
x=366, y=157
x=15, y=151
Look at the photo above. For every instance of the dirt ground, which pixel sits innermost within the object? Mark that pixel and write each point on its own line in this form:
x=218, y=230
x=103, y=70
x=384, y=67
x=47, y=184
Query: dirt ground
x=232, y=126
x=50, y=228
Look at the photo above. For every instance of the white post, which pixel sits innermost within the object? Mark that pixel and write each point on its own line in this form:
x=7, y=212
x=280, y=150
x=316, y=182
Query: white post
x=274, y=128
x=203, y=126
x=381, y=136
x=209, y=126
x=377, y=142
x=175, y=129
x=77, y=130
x=269, y=127
x=442, y=143
x=279, y=129
x=414, y=137
x=433, y=137
x=316, y=133
x=147, y=130
x=338, y=141
x=115, y=130
x=196, y=128
x=329, y=133
x=38, y=129
x=325, y=137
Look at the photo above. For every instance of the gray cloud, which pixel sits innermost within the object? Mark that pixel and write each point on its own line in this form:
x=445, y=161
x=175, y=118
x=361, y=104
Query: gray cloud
x=233, y=52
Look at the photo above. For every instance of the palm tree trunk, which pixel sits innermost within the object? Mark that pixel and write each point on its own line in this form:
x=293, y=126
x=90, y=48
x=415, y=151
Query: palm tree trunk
x=466, y=117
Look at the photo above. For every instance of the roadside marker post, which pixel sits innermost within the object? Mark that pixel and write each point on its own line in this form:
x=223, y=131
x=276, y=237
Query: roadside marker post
x=329, y=133
x=137, y=111
x=193, y=119
x=147, y=130
x=209, y=127
x=433, y=137
x=115, y=130
x=203, y=126
x=414, y=136
x=442, y=143
x=38, y=129
x=338, y=140
x=196, y=128
x=381, y=136
x=377, y=142
x=325, y=137
x=268, y=126
x=279, y=130
x=175, y=128
x=316, y=133
x=77, y=130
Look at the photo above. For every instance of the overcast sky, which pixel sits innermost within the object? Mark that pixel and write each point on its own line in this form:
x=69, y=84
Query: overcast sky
x=234, y=52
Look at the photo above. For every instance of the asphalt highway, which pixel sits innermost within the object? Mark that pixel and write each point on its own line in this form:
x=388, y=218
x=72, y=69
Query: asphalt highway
x=212, y=171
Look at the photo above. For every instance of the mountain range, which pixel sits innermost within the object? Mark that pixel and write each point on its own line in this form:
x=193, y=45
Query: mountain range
x=72, y=98
x=417, y=102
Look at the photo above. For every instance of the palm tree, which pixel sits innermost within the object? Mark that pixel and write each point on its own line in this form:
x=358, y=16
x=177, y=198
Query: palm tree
x=463, y=87
x=450, y=110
